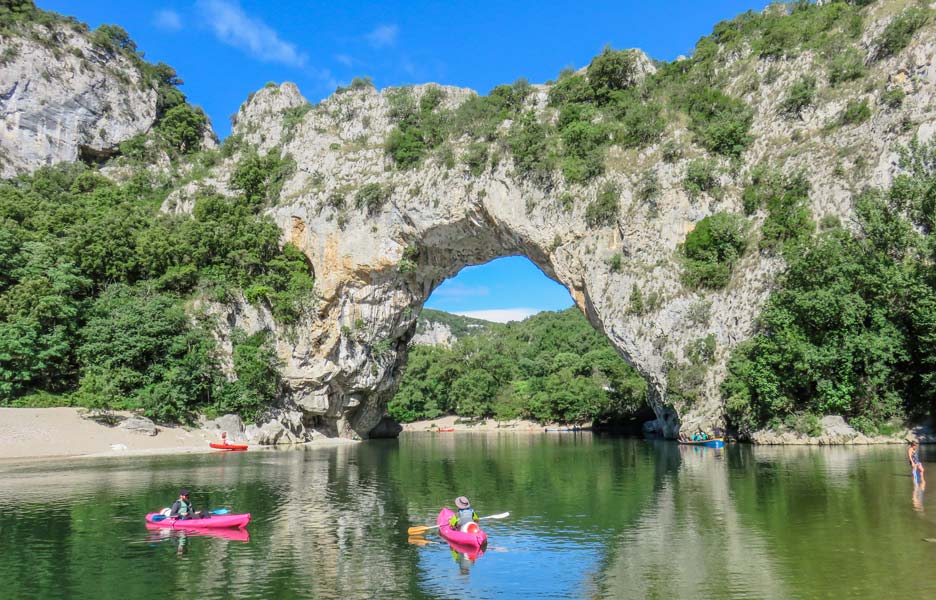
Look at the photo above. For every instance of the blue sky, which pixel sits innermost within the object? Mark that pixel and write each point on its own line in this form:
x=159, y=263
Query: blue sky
x=225, y=49
x=506, y=289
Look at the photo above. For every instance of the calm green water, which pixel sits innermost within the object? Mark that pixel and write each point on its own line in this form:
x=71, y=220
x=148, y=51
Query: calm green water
x=591, y=517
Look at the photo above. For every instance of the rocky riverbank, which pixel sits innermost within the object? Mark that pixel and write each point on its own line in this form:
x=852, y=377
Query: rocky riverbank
x=27, y=433
x=836, y=432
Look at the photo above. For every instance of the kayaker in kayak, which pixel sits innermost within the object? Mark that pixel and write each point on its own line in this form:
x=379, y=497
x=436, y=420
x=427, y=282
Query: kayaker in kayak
x=183, y=509
x=464, y=517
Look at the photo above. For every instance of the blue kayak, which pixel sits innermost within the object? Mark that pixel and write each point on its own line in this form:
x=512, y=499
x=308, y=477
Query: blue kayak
x=711, y=443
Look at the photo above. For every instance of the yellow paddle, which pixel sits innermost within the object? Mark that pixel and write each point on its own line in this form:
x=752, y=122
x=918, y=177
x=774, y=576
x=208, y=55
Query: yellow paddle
x=421, y=529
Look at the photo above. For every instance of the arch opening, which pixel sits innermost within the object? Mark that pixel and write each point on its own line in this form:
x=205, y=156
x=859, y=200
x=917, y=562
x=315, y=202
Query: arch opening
x=504, y=341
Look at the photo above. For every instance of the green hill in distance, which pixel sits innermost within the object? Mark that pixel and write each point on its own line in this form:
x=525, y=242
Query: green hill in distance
x=551, y=367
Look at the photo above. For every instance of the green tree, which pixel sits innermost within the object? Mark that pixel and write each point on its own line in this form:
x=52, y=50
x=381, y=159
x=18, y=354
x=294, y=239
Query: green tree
x=712, y=249
x=182, y=127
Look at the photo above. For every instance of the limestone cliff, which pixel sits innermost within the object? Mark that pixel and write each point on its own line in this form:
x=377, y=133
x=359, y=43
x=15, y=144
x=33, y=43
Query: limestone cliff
x=377, y=262
x=438, y=328
x=64, y=98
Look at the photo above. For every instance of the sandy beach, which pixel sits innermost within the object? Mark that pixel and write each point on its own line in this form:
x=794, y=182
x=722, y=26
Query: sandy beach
x=488, y=425
x=35, y=433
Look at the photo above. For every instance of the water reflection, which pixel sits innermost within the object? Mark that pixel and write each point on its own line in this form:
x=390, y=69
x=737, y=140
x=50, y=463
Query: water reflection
x=591, y=517
x=231, y=534
x=917, y=498
x=691, y=540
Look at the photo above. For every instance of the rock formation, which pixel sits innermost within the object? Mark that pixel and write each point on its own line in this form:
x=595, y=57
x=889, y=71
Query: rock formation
x=343, y=366
x=380, y=238
x=63, y=99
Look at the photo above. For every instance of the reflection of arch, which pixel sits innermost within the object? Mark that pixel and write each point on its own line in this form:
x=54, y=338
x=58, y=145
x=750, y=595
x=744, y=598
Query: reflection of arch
x=692, y=536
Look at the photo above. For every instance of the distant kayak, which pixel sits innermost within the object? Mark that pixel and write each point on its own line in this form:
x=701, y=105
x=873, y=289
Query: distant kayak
x=712, y=443
x=445, y=430
x=461, y=539
x=220, y=446
x=563, y=429
x=215, y=522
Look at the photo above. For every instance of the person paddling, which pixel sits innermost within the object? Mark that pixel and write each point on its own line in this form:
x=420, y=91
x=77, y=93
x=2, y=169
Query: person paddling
x=916, y=467
x=465, y=519
x=182, y=508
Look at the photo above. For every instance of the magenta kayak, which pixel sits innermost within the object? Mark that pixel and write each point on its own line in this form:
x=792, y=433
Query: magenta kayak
x=214, y=522
x=471, y=540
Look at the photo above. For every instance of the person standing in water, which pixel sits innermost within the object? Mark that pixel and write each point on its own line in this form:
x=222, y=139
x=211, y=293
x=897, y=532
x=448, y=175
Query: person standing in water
x=913, y=454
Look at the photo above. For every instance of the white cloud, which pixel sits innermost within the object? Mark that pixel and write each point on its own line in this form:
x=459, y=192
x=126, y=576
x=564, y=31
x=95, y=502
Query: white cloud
x=234, y=27
x=383, y=36
x=345, y=60
x=500, y=315
x=168, y=20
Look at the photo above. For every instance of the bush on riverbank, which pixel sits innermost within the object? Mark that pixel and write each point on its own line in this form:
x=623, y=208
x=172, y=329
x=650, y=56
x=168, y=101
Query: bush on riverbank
x=852, y=329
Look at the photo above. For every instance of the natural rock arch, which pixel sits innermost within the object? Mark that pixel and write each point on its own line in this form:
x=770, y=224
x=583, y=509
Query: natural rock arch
x=342, y=360
x=343, y=366
x=380, y=238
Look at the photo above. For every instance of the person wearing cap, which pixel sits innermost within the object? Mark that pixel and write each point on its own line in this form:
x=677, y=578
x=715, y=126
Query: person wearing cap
x=182, y=508
x=464, y=516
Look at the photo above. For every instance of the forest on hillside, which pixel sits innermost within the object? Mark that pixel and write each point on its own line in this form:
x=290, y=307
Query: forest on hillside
x=552, y=366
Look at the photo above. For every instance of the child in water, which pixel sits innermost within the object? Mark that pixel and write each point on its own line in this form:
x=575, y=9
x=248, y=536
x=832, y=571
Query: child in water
x=913, y=453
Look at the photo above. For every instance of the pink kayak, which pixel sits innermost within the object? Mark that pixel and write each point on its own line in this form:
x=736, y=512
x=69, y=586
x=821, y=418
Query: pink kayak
x=461, y=538
x=213, y=522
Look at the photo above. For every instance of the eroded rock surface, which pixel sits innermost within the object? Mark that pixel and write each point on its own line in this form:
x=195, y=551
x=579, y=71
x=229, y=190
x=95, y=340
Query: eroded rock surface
x=63, y=99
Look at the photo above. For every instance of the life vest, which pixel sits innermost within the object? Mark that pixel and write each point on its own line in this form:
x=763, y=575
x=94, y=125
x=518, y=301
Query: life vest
x=463, y=517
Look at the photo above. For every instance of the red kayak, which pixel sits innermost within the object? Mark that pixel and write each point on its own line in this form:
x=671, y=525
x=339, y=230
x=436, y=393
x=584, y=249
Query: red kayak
x=214, y=522
x=220, y=446
x=461, y=539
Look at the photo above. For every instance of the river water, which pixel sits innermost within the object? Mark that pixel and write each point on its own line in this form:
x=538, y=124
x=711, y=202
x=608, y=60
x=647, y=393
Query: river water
x=591, y=517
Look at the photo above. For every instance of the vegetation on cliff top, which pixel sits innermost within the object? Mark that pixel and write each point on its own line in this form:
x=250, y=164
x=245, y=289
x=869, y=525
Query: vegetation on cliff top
x=614, y=102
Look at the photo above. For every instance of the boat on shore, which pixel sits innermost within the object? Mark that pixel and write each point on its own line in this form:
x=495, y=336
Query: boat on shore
x=709, y=443
x=220, y=446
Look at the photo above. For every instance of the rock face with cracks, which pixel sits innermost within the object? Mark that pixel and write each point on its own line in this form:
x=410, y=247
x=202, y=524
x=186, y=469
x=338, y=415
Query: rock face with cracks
x=63, y=99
